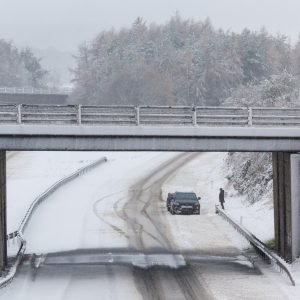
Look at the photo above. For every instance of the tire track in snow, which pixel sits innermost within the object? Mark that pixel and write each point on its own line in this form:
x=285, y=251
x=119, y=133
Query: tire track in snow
x=145, y=196
x=122, y=214
x=159, y=283
x=190, y=286
x=154, y=283
x=117, y=229
x=164, y=284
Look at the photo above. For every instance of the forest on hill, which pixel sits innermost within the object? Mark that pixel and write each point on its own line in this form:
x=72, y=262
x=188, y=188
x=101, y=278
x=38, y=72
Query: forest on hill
x=184, y=62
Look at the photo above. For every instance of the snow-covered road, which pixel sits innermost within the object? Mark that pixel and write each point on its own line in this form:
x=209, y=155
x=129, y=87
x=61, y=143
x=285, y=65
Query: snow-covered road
x=119, y=207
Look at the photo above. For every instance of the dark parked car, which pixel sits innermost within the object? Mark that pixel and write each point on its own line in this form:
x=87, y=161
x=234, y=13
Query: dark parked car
x=183, y=203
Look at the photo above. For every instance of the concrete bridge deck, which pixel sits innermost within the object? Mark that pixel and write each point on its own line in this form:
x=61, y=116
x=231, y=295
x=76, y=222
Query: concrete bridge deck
x=146, y=138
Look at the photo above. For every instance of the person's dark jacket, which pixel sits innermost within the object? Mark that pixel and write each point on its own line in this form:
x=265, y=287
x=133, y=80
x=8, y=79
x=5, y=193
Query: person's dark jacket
x=221, y=196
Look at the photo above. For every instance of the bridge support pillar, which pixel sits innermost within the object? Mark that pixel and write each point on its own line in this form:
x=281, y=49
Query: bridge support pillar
x=3, y=230
x=295, y=205
x=286, y=186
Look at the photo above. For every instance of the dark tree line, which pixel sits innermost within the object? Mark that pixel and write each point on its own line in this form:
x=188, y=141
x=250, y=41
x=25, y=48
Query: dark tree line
x=19, y=68
x=182, y=62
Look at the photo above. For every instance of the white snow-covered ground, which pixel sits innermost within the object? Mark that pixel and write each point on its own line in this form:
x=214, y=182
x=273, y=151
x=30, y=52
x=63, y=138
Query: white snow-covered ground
x=69, y=219
x=31, y=173
x=258, y=218
x=205, y=175
x=86, y=214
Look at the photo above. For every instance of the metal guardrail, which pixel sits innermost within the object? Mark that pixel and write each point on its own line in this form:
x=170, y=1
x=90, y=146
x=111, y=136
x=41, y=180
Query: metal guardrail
x=258, y=245
x=38, y=200
x=13, y=269
x=52, y=189
x=149, y=115
x=34, y=91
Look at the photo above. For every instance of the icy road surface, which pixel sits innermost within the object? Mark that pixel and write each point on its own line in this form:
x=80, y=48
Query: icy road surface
x=101, y=233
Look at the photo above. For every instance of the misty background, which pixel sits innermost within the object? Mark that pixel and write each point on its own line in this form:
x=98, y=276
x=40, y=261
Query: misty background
x=54, y=29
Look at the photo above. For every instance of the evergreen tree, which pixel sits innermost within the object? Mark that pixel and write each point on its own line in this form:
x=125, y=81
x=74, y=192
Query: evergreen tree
x=33, y=67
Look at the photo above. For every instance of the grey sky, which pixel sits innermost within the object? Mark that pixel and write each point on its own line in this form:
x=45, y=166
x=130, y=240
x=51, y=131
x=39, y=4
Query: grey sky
x=66, y=23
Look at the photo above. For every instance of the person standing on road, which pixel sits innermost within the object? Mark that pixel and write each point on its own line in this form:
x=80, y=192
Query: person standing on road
x=222, y=198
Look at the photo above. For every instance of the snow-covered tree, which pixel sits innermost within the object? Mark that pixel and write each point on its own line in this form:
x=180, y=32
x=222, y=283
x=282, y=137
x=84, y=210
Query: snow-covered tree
x=32, y=65
x=181, y=62
x=19, y=68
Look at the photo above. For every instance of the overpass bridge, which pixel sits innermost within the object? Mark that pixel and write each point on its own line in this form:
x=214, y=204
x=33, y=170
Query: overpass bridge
x=158, y=128
x=148, y=128
x=33, y=95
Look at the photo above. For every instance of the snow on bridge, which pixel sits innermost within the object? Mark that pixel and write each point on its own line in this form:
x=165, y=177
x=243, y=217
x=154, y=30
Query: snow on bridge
x=142, y=128
x=30, y=90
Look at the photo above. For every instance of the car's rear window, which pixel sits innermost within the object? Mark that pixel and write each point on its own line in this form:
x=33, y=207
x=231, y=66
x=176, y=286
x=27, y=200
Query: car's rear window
x=186, y=197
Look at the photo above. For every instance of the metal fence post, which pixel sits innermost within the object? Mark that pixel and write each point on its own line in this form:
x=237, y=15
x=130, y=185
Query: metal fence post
x=19, y=114
x=79, y=114
x=194, y=116
x=137, y=115
x=250, y=116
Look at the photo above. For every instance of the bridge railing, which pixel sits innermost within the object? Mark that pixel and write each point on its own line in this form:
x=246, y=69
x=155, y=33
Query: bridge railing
x=276, y=116
x=148, y=115
x=106, y=115
x=238, y=116
x=39, y=114
x=8, y=114
x=38, y=91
